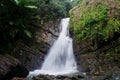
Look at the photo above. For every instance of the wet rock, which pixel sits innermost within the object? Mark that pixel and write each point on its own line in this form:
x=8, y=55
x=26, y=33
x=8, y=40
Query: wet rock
x=87, y=63
x=116, y=73
x=32, y=55
x=97, y=60
x=17, y=78
x=48, y=33
x=11, y=67
x=75, y=76
x=28, y=56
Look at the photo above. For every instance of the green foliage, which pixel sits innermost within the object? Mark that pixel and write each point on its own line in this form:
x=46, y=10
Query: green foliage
x=76, y=2
x=28, y=33
x=113, y=53
x=31, y=7
x=113, y=25
x=18, y=16
x=15, y=19
x=22, y=2
x=91, y=21
x=52, y=9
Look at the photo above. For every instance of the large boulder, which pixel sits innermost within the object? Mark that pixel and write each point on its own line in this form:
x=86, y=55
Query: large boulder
x=11, y=67
x=30, y=58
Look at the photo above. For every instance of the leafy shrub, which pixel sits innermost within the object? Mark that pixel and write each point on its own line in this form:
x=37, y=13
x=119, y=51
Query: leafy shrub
x=18, y=19
x=15, y=19
x=90, y=20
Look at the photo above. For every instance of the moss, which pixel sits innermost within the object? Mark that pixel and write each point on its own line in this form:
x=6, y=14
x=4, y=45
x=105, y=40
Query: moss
x=94, y=19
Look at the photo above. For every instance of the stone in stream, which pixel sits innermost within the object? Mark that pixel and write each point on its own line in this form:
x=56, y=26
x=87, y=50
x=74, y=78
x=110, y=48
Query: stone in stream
x=75, y=76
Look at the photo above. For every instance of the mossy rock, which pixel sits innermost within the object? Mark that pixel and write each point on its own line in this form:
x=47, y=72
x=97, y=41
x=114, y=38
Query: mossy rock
x=96, y=19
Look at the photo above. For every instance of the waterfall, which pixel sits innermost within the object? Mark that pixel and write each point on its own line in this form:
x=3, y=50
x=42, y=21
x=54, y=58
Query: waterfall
x=60, y=59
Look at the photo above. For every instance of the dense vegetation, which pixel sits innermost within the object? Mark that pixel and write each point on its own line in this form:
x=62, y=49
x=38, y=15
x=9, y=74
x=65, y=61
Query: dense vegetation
x=17, y=17
x=76, y=2
x=96, y=20
x=98, y=23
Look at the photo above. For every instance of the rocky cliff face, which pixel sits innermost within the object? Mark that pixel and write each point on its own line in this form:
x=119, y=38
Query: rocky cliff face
x=96, y=40
x=93, y=59
x=30, y=55
x=33, y=55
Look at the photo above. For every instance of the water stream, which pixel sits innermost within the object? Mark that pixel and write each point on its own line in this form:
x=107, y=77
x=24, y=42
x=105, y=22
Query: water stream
x=60, y=59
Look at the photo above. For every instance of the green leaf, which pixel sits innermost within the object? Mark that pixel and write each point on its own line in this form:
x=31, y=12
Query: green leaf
x=28, y=33
x=17, y=2
x=31, y=6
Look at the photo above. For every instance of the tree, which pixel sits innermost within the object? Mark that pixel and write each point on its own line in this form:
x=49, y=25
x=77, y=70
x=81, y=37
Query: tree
x=18, y=16
x=14, y=24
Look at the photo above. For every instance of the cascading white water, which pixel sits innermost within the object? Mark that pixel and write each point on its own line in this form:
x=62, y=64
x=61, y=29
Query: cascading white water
x=60, y=59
